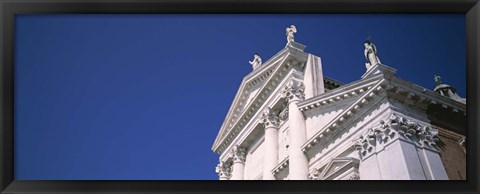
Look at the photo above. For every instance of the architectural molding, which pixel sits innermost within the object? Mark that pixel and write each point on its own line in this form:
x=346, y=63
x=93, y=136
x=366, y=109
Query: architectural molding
x=281, y=167
x=337, y=169
x=351, y=90
x=407, y=91
x=346, y=114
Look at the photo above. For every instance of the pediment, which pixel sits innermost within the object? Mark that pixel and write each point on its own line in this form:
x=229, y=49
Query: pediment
x=257, y=85
x=339, y=166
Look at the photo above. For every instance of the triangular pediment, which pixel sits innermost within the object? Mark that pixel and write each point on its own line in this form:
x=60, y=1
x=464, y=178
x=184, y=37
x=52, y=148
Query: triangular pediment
x=253, y=86
x=338, y=166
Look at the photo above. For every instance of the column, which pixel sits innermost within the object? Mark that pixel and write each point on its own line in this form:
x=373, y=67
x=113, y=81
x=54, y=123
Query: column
x=223, y=170
x=294, y=93
x=271, y=122
x=238, y=163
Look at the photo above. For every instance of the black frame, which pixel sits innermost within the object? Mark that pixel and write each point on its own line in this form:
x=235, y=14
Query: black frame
x=11, y=7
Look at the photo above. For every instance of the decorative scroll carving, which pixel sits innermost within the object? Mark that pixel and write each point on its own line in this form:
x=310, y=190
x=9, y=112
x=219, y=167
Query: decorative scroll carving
x=269, y=118
x=314, y=175
x=401, y=126
x=223, y=170
x=355, y=176
x=239, y=154
x=283, y=115
x=294, y=90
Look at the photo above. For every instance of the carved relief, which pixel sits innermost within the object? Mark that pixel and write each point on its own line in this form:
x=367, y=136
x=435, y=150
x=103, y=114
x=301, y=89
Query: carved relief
x=294, y=90
x=401, y=126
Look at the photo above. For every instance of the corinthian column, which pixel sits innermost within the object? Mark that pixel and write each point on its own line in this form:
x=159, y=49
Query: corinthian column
x=298, y=169
x=223, y=170
x=238, y=163
x=271, y=121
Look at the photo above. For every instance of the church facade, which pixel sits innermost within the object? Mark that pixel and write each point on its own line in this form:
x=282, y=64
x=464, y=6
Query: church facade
x=290, y=122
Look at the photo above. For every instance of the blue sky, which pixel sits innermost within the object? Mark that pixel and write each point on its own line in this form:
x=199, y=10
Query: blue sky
x=142, y=97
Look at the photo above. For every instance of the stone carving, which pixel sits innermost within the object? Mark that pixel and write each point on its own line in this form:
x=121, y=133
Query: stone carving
x=423, y=135
x=283, y=115
x=239, y=154
x=290, y=33
x=438, y=79
x=355, y=176
x=314, y=175
x=370, y=53
x=223, y=170
x=256, y=62
x=269, y=118
x=294, y=90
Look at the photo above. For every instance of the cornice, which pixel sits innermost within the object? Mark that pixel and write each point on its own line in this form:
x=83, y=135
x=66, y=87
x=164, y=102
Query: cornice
x=404, y=90
x=283, y=165
x=250, y=80
x=346, y=114
x=344, y=92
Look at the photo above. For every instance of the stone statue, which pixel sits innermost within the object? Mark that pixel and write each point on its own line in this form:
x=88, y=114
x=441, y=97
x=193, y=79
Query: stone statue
x=290, y=31
x=438, y=79
x=257, y=61
x=371, y=54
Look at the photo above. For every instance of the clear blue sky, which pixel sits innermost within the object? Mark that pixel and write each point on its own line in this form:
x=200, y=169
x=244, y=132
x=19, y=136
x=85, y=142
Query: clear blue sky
x=142, y=97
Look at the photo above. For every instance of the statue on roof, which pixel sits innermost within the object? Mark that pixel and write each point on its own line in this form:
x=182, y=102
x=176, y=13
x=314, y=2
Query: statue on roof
x=370, y=53
x=290, y=31
x=257, y=61
x=438, y=79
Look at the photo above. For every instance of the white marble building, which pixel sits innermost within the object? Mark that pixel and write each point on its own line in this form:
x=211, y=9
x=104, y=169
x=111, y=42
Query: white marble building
x=290, y=122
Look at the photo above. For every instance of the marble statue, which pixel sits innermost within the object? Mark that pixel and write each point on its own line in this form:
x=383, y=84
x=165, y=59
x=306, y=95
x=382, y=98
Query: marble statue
x=257, y=61
x=371, y=54
x=290, y=31
x=438, y=79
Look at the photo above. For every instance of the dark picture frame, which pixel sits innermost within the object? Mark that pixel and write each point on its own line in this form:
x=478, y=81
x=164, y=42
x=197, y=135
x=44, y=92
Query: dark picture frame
x=8, y=9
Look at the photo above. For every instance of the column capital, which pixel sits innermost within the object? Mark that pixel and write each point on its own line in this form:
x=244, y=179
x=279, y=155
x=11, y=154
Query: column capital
x=223, y=170
x=269, y=118
x=239, y=154
x=294, y=90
